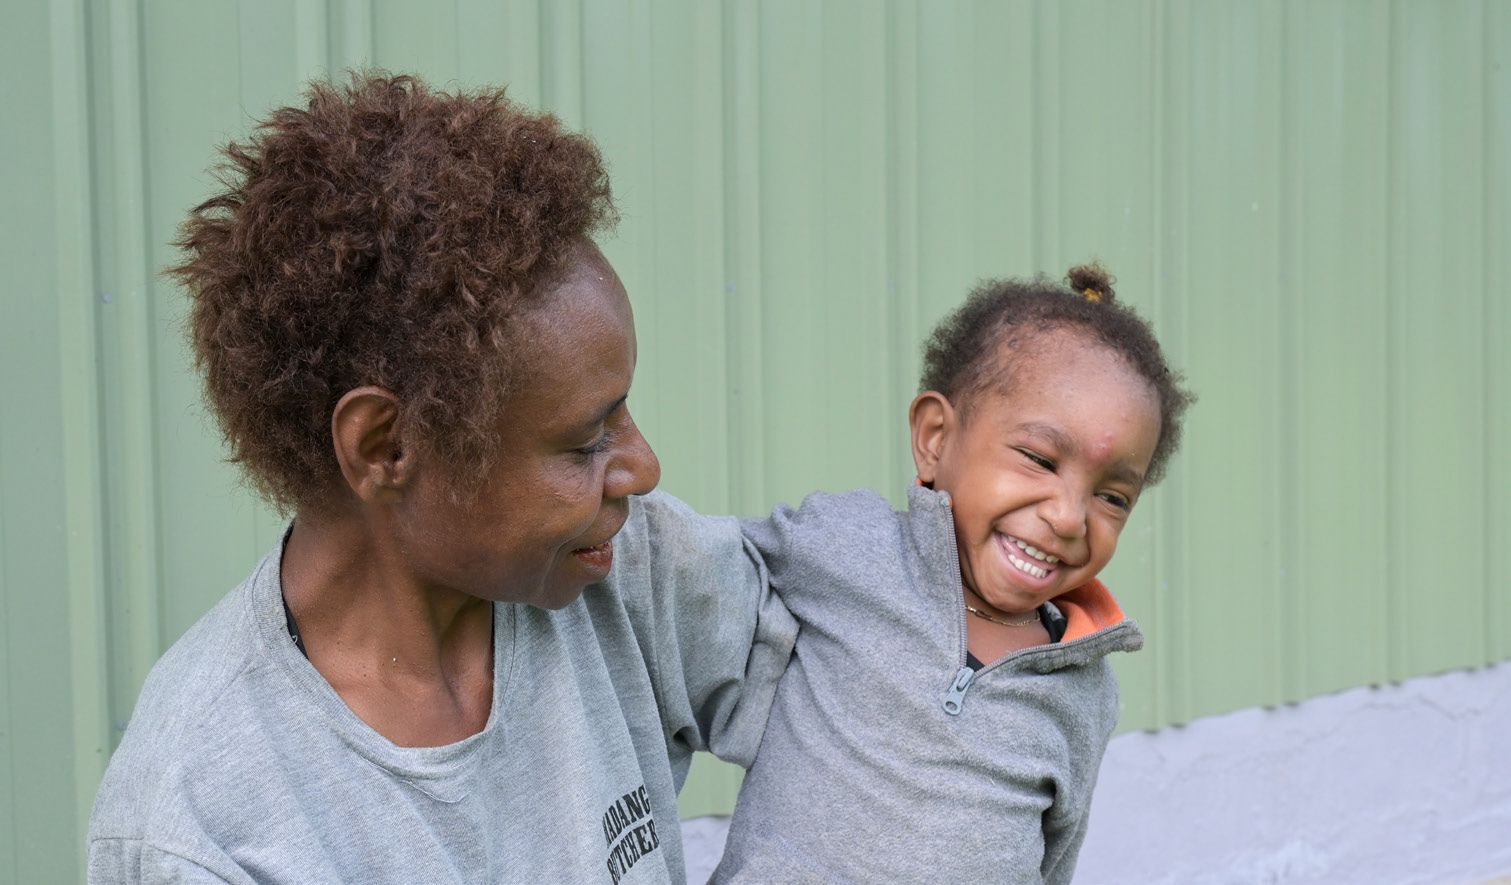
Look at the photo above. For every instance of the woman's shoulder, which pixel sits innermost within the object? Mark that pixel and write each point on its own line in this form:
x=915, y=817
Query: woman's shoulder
x=202, y=663
x=179, y=724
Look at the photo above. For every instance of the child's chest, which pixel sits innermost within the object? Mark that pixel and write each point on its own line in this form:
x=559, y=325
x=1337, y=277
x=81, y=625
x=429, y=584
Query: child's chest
x=903, y=660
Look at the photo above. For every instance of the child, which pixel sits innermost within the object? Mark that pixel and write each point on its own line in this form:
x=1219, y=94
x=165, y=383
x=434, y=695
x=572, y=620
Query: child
x=949, y=701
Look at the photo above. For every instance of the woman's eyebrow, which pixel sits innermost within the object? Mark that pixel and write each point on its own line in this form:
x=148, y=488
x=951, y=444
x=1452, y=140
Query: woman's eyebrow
x=604, y=415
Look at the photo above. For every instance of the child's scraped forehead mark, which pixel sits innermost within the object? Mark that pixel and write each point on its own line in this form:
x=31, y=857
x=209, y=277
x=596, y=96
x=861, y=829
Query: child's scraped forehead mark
x=1103, y=448
x=1103, y=452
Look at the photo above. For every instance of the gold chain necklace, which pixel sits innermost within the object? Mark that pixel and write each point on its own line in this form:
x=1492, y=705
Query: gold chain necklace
x=1031, y=619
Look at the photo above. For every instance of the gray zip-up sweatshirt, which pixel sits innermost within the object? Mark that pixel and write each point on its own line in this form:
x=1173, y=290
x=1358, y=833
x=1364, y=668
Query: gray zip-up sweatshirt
x=243, y=765
x=886, y=759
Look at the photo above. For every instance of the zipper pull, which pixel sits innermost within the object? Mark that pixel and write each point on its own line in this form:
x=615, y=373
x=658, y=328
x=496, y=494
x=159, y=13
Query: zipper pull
x=956, y=695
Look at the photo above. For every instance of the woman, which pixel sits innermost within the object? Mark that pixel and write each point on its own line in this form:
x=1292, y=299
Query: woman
x=477, y=655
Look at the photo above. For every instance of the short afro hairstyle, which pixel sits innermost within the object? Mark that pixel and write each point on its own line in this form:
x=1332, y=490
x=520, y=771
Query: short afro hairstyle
x=965, y=354
x=384, y=233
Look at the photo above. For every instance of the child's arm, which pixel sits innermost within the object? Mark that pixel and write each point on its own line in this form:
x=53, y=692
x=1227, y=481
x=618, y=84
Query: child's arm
x=1065, y=824
x=714, y=637
x=826, y=542
x=1062, y=844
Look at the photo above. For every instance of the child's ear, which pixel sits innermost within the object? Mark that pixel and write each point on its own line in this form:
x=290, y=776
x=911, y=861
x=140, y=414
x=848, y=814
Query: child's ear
x=932, y=418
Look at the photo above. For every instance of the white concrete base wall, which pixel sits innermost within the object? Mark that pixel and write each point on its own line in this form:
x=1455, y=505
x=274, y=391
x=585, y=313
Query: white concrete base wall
x=1395, y=785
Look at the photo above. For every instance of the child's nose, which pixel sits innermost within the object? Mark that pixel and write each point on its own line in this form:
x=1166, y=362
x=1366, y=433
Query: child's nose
x=1065, y=513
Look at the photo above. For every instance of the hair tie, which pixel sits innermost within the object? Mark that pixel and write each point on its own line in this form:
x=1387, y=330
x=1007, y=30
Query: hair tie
x=1092, y=295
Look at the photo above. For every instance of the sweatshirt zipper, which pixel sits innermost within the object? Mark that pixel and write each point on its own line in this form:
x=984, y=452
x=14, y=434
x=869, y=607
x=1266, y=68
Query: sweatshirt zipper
x=965, y=677
x=954, y=696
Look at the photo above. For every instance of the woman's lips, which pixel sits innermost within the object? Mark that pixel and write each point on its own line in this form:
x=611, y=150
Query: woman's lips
x=599, y=557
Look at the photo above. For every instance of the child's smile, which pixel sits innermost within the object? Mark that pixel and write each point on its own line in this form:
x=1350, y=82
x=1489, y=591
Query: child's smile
x=1041, y=476
x=1028, y=558
x=1021, y=567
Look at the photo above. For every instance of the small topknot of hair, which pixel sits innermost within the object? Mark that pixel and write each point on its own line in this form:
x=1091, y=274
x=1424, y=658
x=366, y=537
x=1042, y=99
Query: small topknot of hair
x=1092, y=282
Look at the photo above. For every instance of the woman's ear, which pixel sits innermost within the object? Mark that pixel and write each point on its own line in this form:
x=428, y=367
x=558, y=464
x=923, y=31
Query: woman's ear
x=931, y=418
x=366, y=435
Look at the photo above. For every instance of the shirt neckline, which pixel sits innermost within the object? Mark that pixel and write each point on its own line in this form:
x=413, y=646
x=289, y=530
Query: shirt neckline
x=438, y=771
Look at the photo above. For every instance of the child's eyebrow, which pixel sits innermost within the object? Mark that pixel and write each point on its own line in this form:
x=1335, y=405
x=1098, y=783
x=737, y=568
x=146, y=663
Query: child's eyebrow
x=1067, y=447
x=1053, y=435
x=1123, y=473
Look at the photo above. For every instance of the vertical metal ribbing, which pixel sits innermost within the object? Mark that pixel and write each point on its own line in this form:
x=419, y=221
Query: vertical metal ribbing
x=744, y=255
x=83, y=486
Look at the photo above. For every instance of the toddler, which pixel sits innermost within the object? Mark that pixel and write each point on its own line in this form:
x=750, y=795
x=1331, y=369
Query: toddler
x=949, y=699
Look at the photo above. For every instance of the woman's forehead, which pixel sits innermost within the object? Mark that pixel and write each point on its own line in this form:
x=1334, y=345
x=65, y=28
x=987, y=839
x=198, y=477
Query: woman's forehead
x=578, y=351
x=586, y=306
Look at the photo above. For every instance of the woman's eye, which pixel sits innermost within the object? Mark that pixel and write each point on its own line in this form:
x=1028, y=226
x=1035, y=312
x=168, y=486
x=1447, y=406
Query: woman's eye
x=596, y=447
x=611, y=430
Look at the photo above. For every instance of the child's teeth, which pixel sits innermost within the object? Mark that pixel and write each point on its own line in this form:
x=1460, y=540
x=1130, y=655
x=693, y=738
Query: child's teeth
x=1036, y=553
x=1024, y=566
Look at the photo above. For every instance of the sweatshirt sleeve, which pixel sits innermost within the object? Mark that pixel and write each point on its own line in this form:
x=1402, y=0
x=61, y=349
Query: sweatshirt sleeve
x=1061, y=847
x=1065, y=823
x=716, y=639
x=829, y=541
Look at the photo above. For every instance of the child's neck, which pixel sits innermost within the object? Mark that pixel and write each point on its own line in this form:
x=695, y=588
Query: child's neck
x=991, y=633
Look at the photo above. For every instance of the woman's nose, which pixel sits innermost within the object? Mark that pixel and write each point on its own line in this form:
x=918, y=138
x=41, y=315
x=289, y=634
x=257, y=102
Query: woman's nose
x=636, y=470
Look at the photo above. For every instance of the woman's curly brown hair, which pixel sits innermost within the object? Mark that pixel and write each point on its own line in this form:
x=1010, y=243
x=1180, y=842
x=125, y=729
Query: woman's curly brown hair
x=963, y=355
x=383, y=234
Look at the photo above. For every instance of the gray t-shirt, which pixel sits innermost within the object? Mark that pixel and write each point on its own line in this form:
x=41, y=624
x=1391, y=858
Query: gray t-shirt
x=242, y=764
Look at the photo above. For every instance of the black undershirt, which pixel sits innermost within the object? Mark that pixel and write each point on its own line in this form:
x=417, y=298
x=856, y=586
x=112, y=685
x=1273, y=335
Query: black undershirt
x=1054, y=623
x=288, y=617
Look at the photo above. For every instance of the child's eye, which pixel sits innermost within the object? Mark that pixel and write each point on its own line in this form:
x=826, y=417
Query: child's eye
x=1038, y=459
x=1117, y=500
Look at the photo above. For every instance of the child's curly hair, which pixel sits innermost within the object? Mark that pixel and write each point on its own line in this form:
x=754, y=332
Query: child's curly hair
x=383, y=234
x=961, y=356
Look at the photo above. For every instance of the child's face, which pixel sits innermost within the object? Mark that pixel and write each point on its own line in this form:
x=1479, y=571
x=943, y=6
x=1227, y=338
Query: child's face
x=1055, y=463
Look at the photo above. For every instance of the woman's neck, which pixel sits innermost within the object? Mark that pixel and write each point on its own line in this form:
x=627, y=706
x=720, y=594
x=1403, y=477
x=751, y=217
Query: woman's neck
x=414, y=662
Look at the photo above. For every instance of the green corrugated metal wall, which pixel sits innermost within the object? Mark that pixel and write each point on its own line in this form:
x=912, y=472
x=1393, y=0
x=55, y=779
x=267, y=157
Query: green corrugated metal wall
x=1310, y=199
